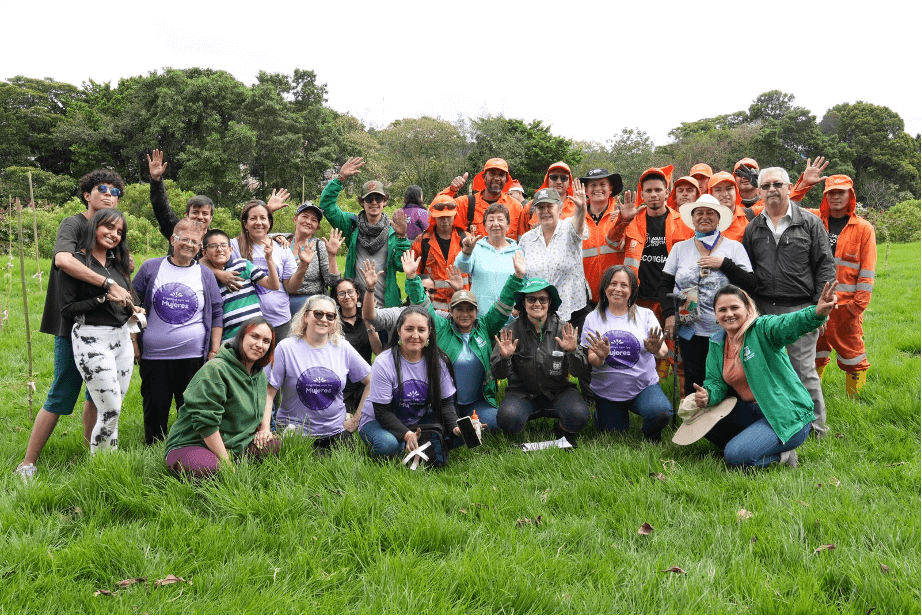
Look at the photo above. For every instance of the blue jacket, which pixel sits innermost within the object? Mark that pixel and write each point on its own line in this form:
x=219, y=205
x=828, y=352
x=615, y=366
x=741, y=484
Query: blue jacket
x=489, y=268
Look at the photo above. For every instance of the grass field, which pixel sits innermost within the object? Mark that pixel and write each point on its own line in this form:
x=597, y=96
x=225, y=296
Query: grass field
x=498, y=531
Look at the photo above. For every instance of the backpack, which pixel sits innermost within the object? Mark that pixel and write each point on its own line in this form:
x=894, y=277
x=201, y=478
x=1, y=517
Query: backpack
x=432, y=450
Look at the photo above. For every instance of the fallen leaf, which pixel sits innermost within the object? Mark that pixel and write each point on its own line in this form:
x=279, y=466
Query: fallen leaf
x=669, y=463
x=463, y=510
x=825, y=547
x=884, y=568
x=753, y=540
x=674, y=569
x=896, y=464
x=803, y=503
x=544, y=496
x=839, y=435
x=523, y=521
x=742, y=514
x=874, y=607
x=659, y=476
x=816, y=523
x=645, y=529
x=130, y=581
x=103, y=591
x=78, y=511
x=170, y=579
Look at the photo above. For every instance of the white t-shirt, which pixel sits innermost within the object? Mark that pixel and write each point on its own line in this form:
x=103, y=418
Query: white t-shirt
x=629, y=367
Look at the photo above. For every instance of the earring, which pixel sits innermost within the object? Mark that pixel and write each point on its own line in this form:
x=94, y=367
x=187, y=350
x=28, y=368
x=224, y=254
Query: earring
x=399, y=342
x=427, y=343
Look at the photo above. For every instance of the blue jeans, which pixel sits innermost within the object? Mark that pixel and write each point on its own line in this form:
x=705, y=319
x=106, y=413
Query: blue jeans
x=485, y=412
x=567, y=406
x=65, y=388
x=382, y=442
x=747, y=438
x=651, y=404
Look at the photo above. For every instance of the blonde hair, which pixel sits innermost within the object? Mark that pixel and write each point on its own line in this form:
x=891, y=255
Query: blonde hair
x=298, y=325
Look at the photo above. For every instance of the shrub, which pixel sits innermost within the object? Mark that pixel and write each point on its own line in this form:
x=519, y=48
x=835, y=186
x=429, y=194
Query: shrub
x=46, y=186
x=901, y=223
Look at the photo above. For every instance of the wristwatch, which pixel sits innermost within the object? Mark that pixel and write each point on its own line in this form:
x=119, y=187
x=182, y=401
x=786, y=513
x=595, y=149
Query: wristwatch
x=107, y=284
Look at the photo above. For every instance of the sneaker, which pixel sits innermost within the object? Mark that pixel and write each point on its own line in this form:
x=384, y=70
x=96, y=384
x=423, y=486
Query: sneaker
x=25, y=471
x=789, y=458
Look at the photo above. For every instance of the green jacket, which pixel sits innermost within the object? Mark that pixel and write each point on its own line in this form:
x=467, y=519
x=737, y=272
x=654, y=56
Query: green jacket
x=784, y=400
x=349, y=225
x=482, y=334
x=224, y=397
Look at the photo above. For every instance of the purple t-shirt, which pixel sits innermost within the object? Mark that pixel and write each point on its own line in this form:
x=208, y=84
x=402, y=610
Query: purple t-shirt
x=410, y=404
x=273, y=304
x=311, y=383
x=175, y=329
x=629, y=368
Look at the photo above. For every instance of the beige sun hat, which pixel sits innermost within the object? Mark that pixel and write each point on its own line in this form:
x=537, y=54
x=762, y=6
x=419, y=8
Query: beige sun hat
x=696, y=422
x=726, y=216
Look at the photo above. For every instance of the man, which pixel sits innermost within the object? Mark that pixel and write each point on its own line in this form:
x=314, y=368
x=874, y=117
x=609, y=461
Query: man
x=702, y=174
x=749, y=194
x=98, y=190
x=370, y=235
x=560, y=178
x=789, y=250
x=854, y=245
x=598, y=256
x=517, y=192
x=724, y=188
x=685, y=190
x=490, y=186
x=438, y=246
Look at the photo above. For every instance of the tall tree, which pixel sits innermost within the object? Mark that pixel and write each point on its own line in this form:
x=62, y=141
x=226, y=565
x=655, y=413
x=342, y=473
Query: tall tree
x=424, y=151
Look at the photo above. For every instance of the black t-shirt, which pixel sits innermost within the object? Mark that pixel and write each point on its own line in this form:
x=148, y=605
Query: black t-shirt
x=654, y=258
x=68, y=236
x=357, y=336
x=78, y=297
x=444, y=245
x=835, y=228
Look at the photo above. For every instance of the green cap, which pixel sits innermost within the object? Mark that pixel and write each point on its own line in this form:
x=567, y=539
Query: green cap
x=371, y=187
x=547, y=195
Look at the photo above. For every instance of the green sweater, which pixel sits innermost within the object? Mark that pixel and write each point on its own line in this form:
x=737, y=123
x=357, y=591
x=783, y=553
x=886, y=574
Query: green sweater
x=784, y=400
x=484, y=330
x=349, y=225
x=222, y=396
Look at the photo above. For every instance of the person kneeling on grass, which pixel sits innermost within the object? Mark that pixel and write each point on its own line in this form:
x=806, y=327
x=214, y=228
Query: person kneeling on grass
x=773, y=412
x=311, y=370
x=224, y=410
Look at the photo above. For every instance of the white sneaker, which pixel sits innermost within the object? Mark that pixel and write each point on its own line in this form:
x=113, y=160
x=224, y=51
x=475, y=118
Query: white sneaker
x=789, y=458
x=25, y=471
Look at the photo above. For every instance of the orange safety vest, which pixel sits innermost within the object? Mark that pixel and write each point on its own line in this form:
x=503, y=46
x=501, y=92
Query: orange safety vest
x=436, y=264
x=480, y=208
x=598, y=255
x=632, y=239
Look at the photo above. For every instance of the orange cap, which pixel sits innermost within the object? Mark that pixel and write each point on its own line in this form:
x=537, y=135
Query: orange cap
x=719, y=178
x=666, y=172
x=559, y=165
x=685, y=179
x=839, y=182
x=493, y=163
x=702, y=169
x=749, y=162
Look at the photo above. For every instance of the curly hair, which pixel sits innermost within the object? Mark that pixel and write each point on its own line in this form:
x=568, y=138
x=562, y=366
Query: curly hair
x=299, y=320
x=100, y=176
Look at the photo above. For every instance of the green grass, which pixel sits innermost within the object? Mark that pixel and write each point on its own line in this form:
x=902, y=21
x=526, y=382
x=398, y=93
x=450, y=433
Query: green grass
x=351, y=535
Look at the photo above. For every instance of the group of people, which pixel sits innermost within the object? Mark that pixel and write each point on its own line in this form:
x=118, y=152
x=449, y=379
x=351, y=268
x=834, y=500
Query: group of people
x=259, y=334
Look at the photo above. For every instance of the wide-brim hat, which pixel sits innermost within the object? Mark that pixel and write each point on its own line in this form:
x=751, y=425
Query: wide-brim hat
x=533, y=285
x=726, y=216
x=598, y=173
x=697, y=422
x=308, y=206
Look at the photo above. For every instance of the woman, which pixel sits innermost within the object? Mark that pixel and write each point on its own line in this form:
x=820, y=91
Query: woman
x=223, y=410
x=357, y=332
x=623, y=342
x=317, y=269
x=185, y=323
x=310, y=370
x=417, y=214
x=411, y=384
x=696, y=268
x=488, y=260
x=773, y=412
x=255, y=222
x=101, y=341
x=537, y=353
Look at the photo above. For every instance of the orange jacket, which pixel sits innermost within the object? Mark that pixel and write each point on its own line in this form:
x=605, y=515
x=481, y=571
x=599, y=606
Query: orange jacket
x=598, y=255
x=666, y=172
x=738, y=226
x=436, y=264
x=856, y=250
x=465, y=219
x=630, y=238
x=568, y=204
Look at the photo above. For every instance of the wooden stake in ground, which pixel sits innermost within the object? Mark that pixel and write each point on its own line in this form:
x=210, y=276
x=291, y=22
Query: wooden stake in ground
x=25, y=305
x=38, y=265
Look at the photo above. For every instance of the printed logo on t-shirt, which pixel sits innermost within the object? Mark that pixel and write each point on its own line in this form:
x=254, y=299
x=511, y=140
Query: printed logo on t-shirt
x=175, y=303
x=625, y=349
x=412, y=403
x=317, y=388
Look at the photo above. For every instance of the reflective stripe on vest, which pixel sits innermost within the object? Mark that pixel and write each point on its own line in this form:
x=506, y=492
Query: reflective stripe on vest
x=849, y=264
x=851, y=361
x=866, y=274
x=632, y=262
x=846, y=288
x=440, y=306
x=865, y=286
x=597, y=251
x=822, y=354
x=503, y=308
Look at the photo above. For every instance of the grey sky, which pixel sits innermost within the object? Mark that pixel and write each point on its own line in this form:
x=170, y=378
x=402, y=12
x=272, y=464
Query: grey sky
x=588, y=69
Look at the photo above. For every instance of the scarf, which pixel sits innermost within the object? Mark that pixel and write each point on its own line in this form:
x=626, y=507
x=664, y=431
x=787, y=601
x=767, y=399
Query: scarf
x=373, y=237
x=708, y=239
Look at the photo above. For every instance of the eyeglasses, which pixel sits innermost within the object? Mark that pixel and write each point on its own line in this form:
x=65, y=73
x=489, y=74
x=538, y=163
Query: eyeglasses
x=441, y=207
x=543, y=300
x=221, y=245
x=103, y=189
x=431, y=291
x=320, y=314
x=770, y=185
x=558, y=178
x=375, y=199
x=349, y=293
x=187, y=240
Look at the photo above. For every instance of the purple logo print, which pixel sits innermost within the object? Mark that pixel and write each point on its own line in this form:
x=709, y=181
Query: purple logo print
x=175, y=303
x=625, y=349
x=413, y=401
x=318, y=387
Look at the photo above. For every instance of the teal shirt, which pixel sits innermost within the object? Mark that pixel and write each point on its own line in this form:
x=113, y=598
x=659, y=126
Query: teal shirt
x=784, y=400
x=349, y=225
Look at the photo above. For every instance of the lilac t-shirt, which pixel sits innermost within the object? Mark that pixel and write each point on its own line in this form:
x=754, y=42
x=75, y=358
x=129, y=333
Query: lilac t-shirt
x=175, y=329
x=629, y=368
x=273, y=304
x=311, y=383
x=415, y=388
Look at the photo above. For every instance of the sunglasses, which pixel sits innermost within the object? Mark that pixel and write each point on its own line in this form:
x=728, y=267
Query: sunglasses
x=320, y=314
x=543, y=300
x=375, y=199
x=558, y=178
x=770, y=185
x=441, y=207
x=431, y=291
x=103, y=189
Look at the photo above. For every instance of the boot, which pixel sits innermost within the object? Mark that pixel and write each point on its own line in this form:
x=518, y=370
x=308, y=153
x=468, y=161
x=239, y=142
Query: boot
x=820, y=370
x=854, y=381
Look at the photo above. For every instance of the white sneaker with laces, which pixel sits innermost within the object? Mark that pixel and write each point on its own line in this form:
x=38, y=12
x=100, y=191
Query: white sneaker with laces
x=25, y=471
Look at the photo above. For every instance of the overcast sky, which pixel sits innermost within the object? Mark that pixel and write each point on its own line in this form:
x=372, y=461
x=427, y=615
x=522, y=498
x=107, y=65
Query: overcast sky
x=587, y=69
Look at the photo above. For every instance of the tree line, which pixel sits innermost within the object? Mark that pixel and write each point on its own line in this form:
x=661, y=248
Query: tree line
x=232, y=141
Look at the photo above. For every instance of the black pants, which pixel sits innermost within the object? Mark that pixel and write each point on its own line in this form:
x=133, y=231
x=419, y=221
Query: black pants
x=162, y=382
x=694, y=358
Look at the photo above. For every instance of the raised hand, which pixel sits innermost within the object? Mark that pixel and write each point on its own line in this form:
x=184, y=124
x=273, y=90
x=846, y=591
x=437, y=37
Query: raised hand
x=579, y=194
x=351, y=167
x=277, y=199
x=568, y=342
x=470, y=240
x=268, y=245
x=629, y=209
x=156, y=164
x=505, y=343
x=370, y=273
x=813, y=174
x=455, y=278
x=459, y=182
x=410, y=263
x=654, y=341
x=701, y=396
x=518, y=262
x=670, y=326
x=827, y=299
x=304, y=254
x=334, y=242
x=599, y=345
x=399, y=223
